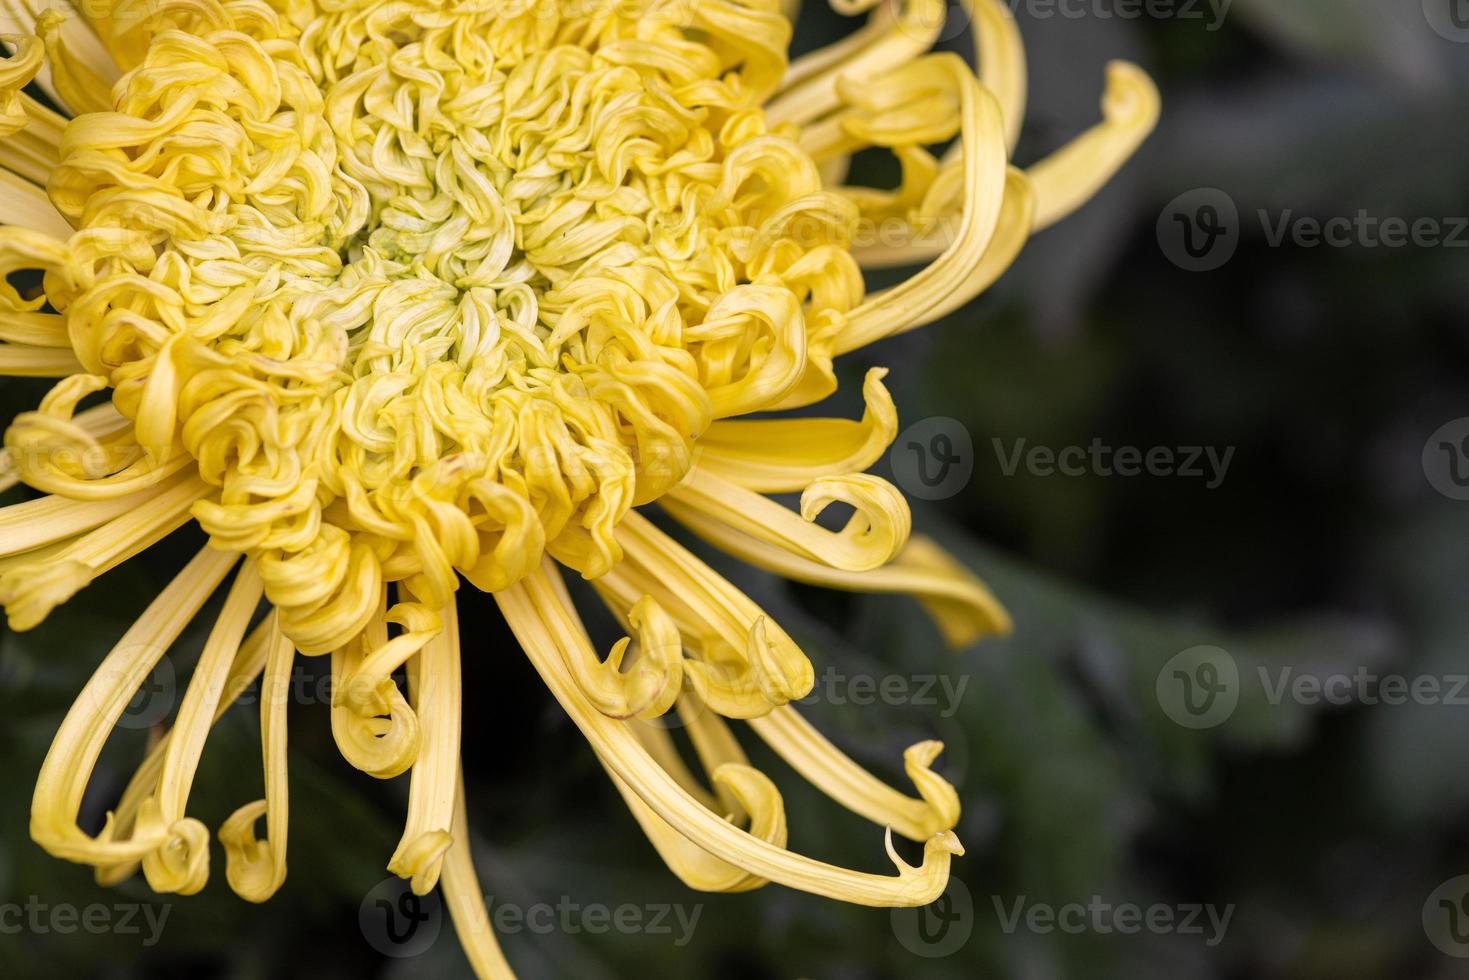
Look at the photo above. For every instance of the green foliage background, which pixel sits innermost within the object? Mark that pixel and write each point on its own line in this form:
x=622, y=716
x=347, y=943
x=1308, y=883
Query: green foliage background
x=1324, y=550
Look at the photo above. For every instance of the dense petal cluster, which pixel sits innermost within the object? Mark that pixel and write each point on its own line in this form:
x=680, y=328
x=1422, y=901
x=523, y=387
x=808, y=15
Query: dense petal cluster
x=386, y=296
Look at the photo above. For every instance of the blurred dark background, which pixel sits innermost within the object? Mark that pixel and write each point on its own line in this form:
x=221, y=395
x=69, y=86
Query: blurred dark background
x=1324, y=833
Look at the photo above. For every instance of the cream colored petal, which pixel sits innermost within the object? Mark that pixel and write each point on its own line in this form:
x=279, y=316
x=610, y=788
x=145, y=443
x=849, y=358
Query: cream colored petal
x=86, y=60
x=25, y=205
x=25, y=56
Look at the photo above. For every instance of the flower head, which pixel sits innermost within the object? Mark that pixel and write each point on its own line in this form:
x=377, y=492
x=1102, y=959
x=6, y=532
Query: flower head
x=390, y=296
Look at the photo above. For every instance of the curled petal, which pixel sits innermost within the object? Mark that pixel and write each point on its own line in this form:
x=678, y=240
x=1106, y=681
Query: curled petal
x=254, y=868
x=1073, y=174
x=621, y=752
x=79, y=741
x=649, y=688
x=874, y=534
x=826, y=767
x=434, y=690
x=182, y=864
x=785, y=455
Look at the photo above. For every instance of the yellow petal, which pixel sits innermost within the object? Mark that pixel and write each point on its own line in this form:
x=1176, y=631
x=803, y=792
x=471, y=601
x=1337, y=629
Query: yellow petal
x=874, y=534
x=465, y=902
x=254, y=868
x=826, y=767
x=620, y=750
x=181, y=864
x=1068, y=178
x=785, y=455
x=434, y=690
x=79, y=741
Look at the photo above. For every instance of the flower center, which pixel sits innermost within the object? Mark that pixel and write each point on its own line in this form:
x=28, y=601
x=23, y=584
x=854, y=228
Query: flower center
x=427, y=288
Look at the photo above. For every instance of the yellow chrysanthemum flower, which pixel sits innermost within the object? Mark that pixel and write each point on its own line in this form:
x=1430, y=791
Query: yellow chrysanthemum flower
x=387, y=295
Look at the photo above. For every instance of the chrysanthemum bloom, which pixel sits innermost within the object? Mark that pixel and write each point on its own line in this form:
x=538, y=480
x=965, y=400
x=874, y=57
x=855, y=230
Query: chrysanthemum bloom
x=386, y=296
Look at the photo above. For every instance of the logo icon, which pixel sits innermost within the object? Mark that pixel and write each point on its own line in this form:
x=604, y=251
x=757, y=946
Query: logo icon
x=1446, y=459
x=398, y=923
x=947, y=24
x=933, y=459
x=1449, y=19
x=1199, y=688
x=940, y=928
x=1446, y=917
x=1199, y=231
x=154, y=698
